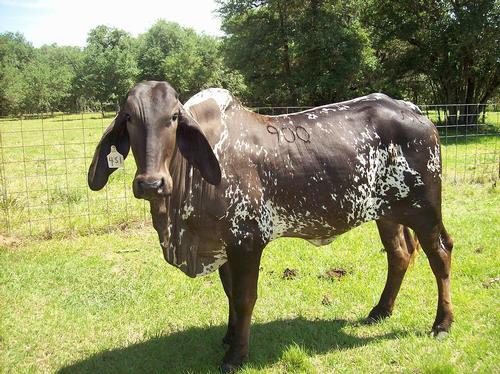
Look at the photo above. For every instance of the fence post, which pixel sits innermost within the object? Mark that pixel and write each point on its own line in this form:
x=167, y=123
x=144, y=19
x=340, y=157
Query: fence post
x=3, y=186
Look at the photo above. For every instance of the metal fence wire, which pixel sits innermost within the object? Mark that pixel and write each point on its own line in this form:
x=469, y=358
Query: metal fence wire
x=44, y=161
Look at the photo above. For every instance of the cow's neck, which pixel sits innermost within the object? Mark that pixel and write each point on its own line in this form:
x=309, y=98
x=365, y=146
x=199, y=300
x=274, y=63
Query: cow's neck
x=181, y=173
x=161, y=210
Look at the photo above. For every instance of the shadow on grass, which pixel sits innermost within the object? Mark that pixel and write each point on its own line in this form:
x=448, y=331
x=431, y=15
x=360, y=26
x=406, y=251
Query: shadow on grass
x=453, y=138
x=200, y=349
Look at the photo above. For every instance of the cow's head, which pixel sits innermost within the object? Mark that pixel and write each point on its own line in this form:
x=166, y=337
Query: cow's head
x=154, y=123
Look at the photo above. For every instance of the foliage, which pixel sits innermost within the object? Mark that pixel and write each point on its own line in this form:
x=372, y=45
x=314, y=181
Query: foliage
x=275, y=52
x=450, y=43
x=333, y=52
x=48, y=79
x=109, y=67
x=15, y=53
x=297, y=52
x=189, y=61
x=162, y=39
x=36, y=80
x=52, y=78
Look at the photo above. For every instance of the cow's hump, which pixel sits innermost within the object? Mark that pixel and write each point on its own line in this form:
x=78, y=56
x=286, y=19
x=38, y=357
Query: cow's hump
x=222, y=97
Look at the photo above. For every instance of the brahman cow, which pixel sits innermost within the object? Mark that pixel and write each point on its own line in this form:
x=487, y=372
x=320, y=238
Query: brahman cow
x=223, y=181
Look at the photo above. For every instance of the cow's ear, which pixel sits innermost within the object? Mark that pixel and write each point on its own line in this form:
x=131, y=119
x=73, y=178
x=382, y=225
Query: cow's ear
x=194, y=146
x=115, y=135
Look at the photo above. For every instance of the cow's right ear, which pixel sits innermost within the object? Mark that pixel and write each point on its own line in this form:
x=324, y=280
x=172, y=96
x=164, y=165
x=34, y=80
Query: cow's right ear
x=115, y=135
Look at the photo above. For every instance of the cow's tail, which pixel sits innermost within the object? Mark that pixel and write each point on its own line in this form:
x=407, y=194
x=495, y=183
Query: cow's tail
x=411, y=243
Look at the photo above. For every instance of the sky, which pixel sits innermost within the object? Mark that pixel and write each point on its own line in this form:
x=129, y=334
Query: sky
x=67, y=22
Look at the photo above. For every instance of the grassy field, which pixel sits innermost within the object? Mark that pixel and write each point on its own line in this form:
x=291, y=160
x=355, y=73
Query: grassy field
x=110, y=304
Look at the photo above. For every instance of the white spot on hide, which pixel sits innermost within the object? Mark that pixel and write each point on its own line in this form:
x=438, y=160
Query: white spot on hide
x=434, y=162
x=221, y=96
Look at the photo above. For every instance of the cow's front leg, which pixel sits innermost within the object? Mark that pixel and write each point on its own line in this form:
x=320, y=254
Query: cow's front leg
x=243, y=264
x=225, y=277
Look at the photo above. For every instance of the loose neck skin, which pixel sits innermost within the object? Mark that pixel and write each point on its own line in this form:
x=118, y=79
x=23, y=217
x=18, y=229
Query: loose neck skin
x=161, y=208
x=179, y=168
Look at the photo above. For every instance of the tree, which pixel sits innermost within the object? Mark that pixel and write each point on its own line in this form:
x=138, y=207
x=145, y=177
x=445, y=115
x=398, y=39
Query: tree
x=297, y=52
x=35, y=79
x=333, y=52
x=454, y=43
x=193, y=66
x=258, y=44
x=189, y=61
x=48, y=79
x=109, y=67
x=15, y=53
x=162, y=39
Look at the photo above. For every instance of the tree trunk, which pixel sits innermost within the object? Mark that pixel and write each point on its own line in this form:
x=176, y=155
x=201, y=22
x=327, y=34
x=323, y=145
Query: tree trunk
x=451, y=119
x=469, y=115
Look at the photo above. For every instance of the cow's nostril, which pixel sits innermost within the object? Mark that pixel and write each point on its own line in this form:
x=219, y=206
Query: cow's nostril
x=156, y=184
x=145, y=185
x=150, y=187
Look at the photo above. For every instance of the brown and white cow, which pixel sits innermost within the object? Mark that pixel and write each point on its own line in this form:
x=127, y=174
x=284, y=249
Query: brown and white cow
x=223, y=182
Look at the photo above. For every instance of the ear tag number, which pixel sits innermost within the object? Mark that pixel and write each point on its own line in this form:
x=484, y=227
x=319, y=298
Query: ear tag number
x=115, y=159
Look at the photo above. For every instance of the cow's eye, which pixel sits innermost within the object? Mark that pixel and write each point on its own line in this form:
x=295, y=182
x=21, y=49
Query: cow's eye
x=127, y=117
x=174, y=117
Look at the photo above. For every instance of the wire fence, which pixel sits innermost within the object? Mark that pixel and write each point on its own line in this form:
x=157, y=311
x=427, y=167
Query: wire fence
x=44, y=162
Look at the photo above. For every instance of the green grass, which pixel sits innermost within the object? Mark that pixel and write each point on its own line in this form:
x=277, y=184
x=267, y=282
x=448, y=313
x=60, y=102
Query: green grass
x=44, y=162
x=110, y=304
x=471, y=159
x=43, y=179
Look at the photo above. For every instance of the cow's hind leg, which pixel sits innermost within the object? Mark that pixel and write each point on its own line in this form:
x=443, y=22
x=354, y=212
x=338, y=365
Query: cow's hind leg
x=225, y=277
x=399, y=246
x=438, y=245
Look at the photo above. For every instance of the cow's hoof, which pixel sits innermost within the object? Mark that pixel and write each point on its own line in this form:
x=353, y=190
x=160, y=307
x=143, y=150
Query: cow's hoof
x=439, y=332
x=227, y=367
x=232, y=361
x=376, y=315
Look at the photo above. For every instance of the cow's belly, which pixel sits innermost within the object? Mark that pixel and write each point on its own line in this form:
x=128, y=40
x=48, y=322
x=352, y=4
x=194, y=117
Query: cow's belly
x=321, y=216
x=321, y=242
x=321, y=225
x=318, y=223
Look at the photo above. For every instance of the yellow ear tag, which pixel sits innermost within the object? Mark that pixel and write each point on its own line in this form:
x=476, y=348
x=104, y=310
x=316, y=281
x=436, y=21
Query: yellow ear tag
x=115, y=159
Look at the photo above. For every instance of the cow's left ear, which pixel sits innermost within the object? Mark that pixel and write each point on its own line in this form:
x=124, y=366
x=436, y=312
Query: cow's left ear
x=194, y=146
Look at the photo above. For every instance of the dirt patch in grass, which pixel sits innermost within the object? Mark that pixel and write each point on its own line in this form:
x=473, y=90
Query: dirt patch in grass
x=333, y=274
x=9, y=241
x=326, y=301
x=290, y=273
x=491, y=282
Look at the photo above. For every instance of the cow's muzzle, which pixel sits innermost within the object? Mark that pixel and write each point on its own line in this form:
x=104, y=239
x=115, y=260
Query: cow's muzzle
x=150, y=187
